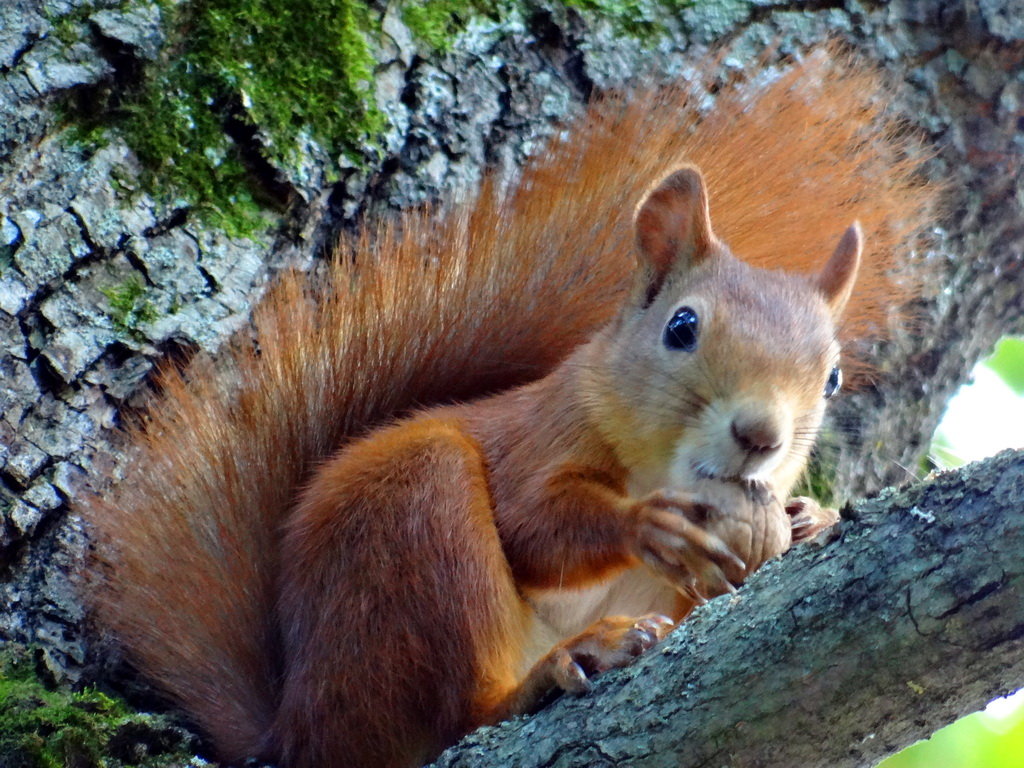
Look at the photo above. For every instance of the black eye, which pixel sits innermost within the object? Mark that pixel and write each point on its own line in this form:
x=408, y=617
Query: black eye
x=681, y=330
x=835, y=381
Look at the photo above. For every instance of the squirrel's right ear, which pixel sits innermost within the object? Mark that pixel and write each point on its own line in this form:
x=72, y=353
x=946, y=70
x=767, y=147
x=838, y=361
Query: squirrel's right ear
x=673, y=227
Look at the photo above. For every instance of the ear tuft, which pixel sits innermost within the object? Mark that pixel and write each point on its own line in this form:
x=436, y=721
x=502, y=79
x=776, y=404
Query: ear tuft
x=673, y=226
x=840, y=273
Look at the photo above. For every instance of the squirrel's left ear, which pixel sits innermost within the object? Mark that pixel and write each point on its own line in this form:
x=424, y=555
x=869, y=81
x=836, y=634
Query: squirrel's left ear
x=673, y=227
x=840, y=273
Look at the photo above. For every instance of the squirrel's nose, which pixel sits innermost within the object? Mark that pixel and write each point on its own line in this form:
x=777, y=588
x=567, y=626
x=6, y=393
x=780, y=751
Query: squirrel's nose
x=756, y=435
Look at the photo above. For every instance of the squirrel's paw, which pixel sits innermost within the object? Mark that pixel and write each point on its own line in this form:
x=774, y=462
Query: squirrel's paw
x=607, y=644
x=808, y=518
x=669, y=540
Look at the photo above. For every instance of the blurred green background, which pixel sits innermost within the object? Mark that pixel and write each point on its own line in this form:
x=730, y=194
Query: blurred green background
x=982, y=419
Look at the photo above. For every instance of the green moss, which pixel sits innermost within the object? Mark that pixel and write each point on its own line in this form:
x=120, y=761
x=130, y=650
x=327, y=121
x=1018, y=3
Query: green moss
x=70, y=26
x=227, y=69
x=437, y=22
x=130, y=307
x=635, y=18
x=289, y=67
x=41, y=727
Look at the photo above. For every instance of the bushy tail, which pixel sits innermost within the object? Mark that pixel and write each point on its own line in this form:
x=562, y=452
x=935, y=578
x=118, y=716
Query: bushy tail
x=490, y=294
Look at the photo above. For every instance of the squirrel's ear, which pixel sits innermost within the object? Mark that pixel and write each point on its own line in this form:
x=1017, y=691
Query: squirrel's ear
x=837, y=278
x=673, y=226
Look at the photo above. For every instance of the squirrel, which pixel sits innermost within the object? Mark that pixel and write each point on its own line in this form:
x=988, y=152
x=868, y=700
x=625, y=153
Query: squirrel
x=484, y=455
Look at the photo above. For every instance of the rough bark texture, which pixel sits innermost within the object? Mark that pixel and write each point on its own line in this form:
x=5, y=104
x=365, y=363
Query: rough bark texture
x=833, y=656
x=967, y=92
x=72, y=224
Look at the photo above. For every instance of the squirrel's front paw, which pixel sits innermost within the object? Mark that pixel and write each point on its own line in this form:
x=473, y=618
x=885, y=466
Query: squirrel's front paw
x=694, y=560
x=808, y=518
x=607, y=644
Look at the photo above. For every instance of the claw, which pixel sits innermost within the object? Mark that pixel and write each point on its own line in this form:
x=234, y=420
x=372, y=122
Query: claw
x=570, y=674
x=808, y=518
x=580, y=682
x=656, y=624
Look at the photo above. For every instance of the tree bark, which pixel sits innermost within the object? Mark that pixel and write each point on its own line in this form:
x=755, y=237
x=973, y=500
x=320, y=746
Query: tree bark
x=965, y=90
x=837, y=655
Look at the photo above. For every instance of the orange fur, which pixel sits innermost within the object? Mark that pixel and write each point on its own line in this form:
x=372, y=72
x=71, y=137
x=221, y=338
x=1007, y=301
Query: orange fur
x=482, y=298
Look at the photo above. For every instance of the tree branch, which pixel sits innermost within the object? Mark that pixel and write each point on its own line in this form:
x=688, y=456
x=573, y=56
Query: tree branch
x=834, y=656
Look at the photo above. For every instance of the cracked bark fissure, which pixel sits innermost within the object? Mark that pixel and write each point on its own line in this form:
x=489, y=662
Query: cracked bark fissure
x=834, y=656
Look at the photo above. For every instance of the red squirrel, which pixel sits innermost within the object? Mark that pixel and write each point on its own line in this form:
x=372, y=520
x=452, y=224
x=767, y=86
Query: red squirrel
x=488, y=454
